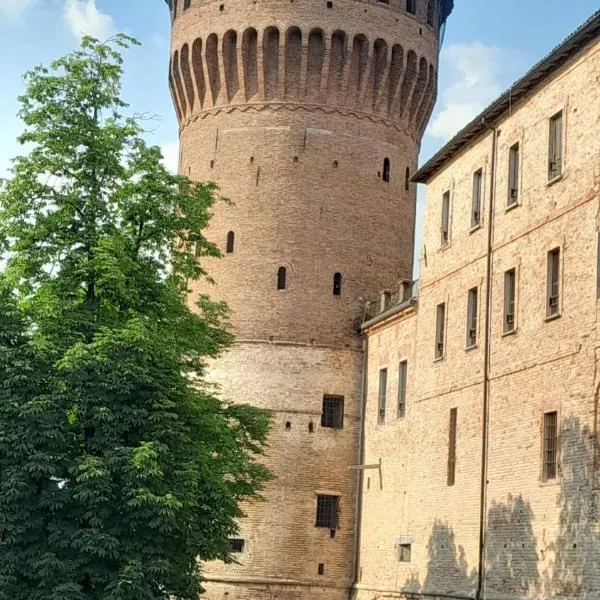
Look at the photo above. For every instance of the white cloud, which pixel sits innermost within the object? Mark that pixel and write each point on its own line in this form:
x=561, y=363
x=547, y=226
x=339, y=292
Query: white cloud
x=84, y=18
x=475, y=74
x=170, y=152
x=13, y=9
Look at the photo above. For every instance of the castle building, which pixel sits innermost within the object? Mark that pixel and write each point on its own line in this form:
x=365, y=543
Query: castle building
x=443, y=445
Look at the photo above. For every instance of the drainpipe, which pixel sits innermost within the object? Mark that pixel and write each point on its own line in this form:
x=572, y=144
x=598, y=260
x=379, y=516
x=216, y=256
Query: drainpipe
x=486, y=375
x=361, y=473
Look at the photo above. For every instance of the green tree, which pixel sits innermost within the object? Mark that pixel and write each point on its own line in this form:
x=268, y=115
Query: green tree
x=119, y=467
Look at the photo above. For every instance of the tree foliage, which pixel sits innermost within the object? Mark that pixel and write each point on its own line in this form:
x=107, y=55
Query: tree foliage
x=119, y=467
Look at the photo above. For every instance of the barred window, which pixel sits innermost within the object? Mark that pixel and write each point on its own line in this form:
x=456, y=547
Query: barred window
x=328, y=511
x=333, y=412
x=550, y=452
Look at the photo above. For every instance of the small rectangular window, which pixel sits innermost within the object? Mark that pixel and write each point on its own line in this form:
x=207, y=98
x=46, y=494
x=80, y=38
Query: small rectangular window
x=404, y=553
x=452, y=447
x=382, y=396
x=553, y=304
x=509, y=300
x=430, y=12
x=237, y=545
x=328, y=511
x=550, y=452
x=333, y=412
x=186, y=4
x=411, y=6
x=402, y=378
x=476, y=201
x=472, y=318
x=513, y=175
x=440, y=324
x=445, y=219
x=555, y=146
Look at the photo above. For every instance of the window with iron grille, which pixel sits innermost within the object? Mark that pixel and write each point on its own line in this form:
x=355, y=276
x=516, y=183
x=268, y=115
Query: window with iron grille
x=452, y=447
x=550, y=452
x=327, y=511
x=402, y=379
x=440, y=324
x=237, y=545
x=472, y=318
x=476, y=201
x=513, y=175
x=382, y=396
x=333, y=412
x=411, y=6
x=555, y=147
x=404, y=552
x=445, y=219
x=553, y=294
x=509, y=300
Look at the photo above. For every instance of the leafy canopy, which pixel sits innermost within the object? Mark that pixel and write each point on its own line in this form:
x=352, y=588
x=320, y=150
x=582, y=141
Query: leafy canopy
x=118, y=466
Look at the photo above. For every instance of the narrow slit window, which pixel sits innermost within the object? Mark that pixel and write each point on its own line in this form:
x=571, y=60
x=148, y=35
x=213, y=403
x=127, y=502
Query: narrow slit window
x=472, y=318
x=550, y=451
x=281, y=278
x=440, y=324
x=382, y=396
x=411, y=6
x=555, y=146
x=402, y=380
x=476, y=201
x=509, y=300
x=230, y=246
x=386, y=170
x=452, y=447
x=328, y=511
x=337, y=284
x=445, y=228
x=174, y=9
x=407, y=179
x=513, y=175
x=332, y=415
x=553, y=304
x=430, y=12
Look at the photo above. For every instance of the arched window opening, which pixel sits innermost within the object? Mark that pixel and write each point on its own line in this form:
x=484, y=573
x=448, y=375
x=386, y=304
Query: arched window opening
x=230, y=242
x=281, y=275
x=407, y=179
x=386, y=170
x=337, y=284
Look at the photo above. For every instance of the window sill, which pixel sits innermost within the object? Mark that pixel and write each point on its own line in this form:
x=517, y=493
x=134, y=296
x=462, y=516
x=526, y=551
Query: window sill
x=512, y=206
x=438, y=359
x=471, y=348
x=550, y=482
x=555, y=180
x=549, y=318
x=511, y=332
x=445, y=247
x=475, y=228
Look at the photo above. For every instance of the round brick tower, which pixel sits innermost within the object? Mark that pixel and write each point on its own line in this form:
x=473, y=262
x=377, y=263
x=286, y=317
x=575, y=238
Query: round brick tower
x=309, y=116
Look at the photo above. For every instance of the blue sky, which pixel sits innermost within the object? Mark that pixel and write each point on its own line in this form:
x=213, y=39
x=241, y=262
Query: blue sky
x=488, y=45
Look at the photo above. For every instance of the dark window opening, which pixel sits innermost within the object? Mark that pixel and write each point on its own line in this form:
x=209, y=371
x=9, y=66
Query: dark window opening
x=402, y=378
x=329, y=4
x=327, y=511
x=452, y=447
x=445, y=229
x=186, y=4
x=404, y=552
x=509, y=300
x=513, y=175
x=333, y=412
x=332, y=534
x=321, y=569
x=386, y=170
x=382, y=396
x=550, y=457
x=411, y=6
x=553, y=305
x=288, y=426
x=430, y=12
x=237, y=545
x=476, y=202
x=281, y=276
x=407, y=179
x=337, y=284
x=212, y=164
x=472, y=318
x=555, y=147
x=311, y=427
x=440, y=324
x=174, y=9
x=230, y=242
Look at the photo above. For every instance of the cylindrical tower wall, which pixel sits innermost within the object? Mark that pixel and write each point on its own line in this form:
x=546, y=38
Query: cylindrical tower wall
x=309, y=116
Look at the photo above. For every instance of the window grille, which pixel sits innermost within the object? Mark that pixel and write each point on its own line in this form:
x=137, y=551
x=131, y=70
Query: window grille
x=440, y=324
x=237, y=545
x=513, y=175
x=445, y=219
x=553, y=306
x=333, y=412
x=337, y=284
x=476, y=201
x=386, y=170
x=382, y=396
x=402, y=379
x=555, y=146
x=230, y=242
x=327, y=511
x=281, y=278
x=509, y=300
x=472, y=318
x=550, y=456
x=452, y=448
x=411, y=6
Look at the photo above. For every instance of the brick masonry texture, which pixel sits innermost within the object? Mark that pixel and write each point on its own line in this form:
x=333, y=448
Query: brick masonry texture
x=542, y=538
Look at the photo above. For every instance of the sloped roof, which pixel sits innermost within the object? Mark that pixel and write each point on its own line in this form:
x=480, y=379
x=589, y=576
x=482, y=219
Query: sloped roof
x=587, y=32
